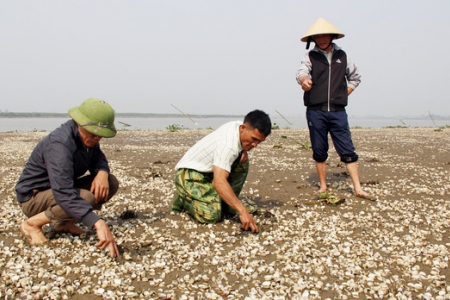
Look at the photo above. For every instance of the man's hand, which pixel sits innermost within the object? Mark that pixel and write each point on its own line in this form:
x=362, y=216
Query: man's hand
x=306, y=83
x=100, y=187
x=244, y=157
x=248, y=223
x=225, y=192
x=106, y=238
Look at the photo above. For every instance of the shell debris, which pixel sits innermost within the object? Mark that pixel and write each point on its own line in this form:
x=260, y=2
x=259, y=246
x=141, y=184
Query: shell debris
x=394, y=248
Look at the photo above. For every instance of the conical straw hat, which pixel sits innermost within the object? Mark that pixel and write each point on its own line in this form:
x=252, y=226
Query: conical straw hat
x=322, y=26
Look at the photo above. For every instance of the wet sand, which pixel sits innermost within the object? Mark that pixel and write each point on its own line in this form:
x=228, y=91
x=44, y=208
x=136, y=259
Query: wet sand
x=396, y=247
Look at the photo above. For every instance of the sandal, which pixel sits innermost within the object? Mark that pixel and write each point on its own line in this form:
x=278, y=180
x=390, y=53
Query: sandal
x=330, y=198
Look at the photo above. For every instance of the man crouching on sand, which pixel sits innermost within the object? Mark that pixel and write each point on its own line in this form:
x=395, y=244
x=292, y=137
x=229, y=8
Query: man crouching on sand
x=52, y=188
x=211, y=174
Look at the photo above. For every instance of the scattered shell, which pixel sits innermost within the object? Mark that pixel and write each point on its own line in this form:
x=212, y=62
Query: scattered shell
x=397, y=247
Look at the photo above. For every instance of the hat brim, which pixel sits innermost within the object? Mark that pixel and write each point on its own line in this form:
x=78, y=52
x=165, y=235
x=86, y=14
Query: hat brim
x=339, y=36
x=322, y=26
x=81, y=119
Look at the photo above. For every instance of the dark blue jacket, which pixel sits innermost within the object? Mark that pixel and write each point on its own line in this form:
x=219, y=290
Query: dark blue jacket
x=55, y=163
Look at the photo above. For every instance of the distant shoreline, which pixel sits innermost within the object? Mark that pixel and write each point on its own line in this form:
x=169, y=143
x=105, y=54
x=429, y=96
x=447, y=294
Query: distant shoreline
x=161, y=115
x=123, y=115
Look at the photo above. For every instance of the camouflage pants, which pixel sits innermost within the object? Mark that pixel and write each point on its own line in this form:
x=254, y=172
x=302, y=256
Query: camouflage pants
x=196, y=194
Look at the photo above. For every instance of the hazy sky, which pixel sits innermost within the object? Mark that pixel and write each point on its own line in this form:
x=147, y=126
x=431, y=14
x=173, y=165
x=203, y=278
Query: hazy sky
x=217, y=57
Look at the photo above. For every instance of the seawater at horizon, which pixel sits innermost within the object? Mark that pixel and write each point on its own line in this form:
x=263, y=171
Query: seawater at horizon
x=157, y=123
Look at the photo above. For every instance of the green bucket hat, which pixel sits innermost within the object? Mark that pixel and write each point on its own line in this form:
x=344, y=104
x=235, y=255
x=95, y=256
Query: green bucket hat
x=96, y=116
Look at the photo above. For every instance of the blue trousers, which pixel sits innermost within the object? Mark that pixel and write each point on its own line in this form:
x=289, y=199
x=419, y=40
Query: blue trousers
x=320, y=123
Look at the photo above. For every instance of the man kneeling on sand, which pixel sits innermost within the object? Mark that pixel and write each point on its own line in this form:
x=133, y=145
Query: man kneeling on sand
x=52, y=188
x=211, y=174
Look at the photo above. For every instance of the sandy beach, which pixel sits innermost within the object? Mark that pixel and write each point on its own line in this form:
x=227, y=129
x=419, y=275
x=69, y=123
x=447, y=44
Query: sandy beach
x=394, y=248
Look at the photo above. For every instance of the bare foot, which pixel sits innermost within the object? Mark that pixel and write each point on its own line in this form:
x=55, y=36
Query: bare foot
x=70, y=227
x=364, y=195
x=32, y=234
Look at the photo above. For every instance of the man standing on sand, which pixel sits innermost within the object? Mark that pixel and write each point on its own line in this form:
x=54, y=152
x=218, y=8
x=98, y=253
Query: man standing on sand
x=328, y=77
x=211, y=174
x=53, y=187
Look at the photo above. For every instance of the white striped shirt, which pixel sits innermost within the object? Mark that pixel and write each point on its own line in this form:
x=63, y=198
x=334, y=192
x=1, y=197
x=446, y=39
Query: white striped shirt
x=219, y=148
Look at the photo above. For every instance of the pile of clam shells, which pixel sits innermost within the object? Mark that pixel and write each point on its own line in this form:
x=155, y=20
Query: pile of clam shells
x=394, y=248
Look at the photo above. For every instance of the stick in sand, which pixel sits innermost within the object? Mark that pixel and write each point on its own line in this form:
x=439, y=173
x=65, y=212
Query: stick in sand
x=195, y=123
x=283, y=117
x=124, y=124
x=431, y=118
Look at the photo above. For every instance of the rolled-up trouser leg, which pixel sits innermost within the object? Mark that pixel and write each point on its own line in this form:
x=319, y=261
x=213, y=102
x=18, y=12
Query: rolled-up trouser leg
x=318, y=134
x=43, y=201
x=342, y=137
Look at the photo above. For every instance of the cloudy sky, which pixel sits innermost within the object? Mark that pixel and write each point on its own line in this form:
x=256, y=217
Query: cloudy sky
x=217, y=57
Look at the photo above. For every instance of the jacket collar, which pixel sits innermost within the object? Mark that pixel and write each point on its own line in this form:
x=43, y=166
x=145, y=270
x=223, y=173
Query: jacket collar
x=334, y=49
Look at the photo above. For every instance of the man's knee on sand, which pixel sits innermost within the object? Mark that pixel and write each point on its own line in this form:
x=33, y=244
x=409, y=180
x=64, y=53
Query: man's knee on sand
x=209, y=217
x=204, y=204
x=177, y=204
x=207, y=214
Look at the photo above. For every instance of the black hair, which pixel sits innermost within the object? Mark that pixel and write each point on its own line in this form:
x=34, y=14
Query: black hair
x=259, y=120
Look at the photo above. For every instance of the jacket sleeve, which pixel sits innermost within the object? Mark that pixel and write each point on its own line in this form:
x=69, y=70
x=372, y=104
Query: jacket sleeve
x=353, y=76
x=60, y=167
x=99, y=161
x=305, y=68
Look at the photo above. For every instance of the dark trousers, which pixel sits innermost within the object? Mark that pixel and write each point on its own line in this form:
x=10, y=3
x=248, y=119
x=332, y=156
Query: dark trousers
x=320, y=123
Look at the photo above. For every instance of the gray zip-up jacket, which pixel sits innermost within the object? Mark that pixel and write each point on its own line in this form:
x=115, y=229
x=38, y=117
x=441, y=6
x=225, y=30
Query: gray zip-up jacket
x=56, y=162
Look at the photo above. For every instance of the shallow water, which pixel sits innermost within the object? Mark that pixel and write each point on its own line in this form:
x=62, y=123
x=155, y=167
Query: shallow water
x=296, y=122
